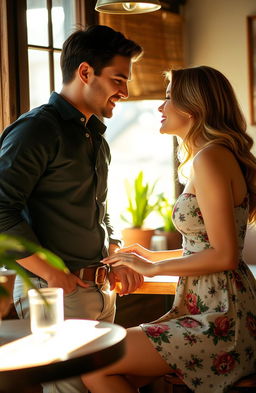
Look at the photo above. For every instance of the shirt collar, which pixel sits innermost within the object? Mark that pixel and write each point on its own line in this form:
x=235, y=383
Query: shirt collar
x=68, y=112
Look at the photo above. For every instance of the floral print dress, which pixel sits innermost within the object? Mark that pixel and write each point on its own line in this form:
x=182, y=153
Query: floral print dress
x=209, y=336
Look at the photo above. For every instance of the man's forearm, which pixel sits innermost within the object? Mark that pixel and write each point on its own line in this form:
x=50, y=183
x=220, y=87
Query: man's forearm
x=112, y=248
x=54, y=277
x=38, y=266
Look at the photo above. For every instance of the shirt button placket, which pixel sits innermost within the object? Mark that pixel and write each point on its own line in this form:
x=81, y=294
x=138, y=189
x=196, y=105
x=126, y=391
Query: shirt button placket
x=82, y=119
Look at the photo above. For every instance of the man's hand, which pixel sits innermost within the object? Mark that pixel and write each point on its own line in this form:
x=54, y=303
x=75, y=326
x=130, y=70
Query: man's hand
x=129, y=279
x=67, y=281
x=53, y=276
x=112, y=249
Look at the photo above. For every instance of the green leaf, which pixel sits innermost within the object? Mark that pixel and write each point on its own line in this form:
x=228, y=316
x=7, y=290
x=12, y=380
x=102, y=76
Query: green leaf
x=44, y=254
x=9, y=243
x=165, y=210
x=165, y=338
x=140, y=204
x=11, y=246
x=11, y=264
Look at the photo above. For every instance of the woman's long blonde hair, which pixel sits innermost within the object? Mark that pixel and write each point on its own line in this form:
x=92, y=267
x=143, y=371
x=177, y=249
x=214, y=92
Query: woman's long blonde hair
x=207, y=95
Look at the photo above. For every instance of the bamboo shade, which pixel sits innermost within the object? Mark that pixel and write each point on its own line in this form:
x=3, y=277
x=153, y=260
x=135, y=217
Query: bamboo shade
x=160, y=35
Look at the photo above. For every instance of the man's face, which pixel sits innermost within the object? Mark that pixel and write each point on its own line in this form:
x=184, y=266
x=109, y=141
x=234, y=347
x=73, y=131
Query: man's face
x=103, y=91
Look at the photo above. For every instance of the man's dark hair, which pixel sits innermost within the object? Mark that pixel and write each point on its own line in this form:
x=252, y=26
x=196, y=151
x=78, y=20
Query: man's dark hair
x=97, y=45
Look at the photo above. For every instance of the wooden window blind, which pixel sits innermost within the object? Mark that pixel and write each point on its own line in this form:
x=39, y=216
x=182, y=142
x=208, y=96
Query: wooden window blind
x=160, y=35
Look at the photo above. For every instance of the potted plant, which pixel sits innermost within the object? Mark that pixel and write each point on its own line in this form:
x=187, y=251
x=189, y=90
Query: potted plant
x=165, y=210
x=10, y=247
x=140, y=205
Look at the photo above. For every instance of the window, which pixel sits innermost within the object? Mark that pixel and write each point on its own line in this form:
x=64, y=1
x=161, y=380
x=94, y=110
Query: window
x=32, y=33
x=48, y=25
x=136, y=144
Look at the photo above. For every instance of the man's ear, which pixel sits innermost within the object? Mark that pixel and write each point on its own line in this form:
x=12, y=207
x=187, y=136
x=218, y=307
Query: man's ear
x=85, y=71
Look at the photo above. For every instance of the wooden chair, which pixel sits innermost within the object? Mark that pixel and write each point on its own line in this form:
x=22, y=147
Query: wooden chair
x=244, y=385
x=249, y=251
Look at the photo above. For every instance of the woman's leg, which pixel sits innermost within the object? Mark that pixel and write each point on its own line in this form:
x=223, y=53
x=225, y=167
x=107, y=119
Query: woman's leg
x=140, y=359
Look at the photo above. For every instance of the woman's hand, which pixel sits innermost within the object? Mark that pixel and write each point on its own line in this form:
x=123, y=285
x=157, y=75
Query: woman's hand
x=139, y=250
x=135, y=262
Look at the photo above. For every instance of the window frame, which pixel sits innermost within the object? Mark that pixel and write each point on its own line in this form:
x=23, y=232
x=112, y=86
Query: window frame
x=14, y=69
x=13, y=75
x=251, y=24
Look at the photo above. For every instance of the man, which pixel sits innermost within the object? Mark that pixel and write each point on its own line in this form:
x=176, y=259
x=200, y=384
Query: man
x=53, y=180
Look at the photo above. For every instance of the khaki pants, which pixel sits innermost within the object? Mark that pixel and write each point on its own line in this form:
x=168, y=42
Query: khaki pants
x=85, y=303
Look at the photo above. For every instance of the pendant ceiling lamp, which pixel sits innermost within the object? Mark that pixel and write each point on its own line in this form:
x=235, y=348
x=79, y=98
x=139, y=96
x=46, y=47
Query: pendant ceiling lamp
x=127, y=7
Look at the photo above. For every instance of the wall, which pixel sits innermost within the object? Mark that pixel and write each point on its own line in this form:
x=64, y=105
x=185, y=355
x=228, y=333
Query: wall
x=216, y=35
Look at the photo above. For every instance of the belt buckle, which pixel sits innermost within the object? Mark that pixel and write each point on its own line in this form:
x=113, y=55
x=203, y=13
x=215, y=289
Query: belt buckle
x=100, y=278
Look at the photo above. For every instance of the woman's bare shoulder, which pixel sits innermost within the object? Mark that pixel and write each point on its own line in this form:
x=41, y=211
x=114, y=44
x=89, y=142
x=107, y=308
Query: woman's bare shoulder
x=213, y=154
x=217, y=165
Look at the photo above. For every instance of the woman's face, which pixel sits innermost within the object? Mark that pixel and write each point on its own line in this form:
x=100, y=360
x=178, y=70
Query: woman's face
x=174, y=120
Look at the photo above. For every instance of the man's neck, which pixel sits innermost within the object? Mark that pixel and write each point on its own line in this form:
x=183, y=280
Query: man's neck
x=73, y=97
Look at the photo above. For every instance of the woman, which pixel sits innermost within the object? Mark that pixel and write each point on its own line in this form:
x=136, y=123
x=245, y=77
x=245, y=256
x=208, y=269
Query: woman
x=209, y=336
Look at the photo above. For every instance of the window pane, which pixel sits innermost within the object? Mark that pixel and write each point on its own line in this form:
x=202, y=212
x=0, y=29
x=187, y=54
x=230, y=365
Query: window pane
x=57, y=72
x=39, y=84
x=136, y=144
x=63, y=20
x=37, y=22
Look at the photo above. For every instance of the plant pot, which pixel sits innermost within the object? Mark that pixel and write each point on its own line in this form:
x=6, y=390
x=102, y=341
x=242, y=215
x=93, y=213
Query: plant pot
x=7, y=278
x=137, y=235
x=173, y=238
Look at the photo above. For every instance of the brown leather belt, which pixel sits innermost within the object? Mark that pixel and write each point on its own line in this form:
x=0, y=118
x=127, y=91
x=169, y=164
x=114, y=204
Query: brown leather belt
x=97, y=274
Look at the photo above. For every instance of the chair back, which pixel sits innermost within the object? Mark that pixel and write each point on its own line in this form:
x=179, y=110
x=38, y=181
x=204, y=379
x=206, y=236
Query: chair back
x=249, y=252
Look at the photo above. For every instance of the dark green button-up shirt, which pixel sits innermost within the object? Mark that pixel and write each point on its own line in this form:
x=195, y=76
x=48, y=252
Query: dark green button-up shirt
x=53, y=182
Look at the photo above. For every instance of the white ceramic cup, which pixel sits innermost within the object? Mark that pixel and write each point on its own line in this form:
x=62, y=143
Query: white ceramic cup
x=46, y=311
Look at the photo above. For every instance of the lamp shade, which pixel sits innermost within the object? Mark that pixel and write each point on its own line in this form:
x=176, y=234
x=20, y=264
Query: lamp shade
x=127, y=7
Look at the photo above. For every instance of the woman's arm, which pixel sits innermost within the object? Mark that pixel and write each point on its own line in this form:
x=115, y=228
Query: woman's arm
x=212, y=182
x=152, y=256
